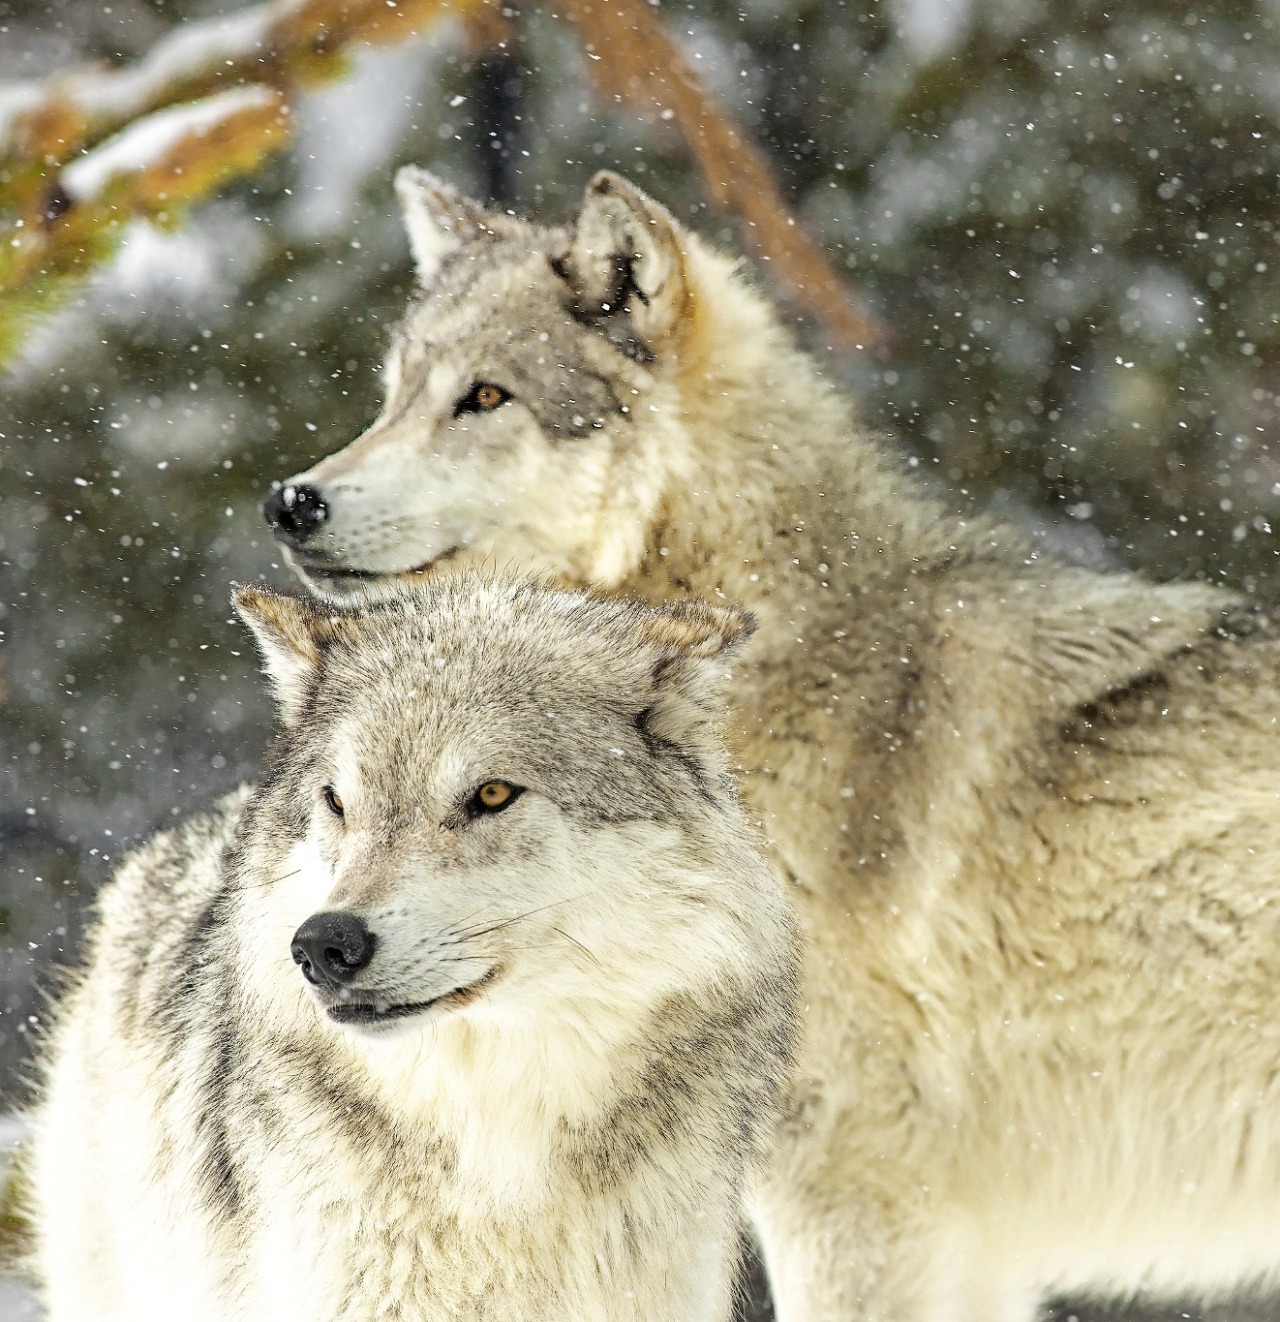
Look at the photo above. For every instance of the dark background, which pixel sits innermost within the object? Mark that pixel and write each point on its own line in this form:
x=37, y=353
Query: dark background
x=1064, y=210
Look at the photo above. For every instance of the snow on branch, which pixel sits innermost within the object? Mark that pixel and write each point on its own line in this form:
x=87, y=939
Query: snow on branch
x=94, y=101
x=87, y=150
x=284, y=43
x=158, y=145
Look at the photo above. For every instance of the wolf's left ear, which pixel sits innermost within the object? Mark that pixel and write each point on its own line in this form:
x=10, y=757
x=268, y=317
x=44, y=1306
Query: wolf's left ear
x=289, y=631
x=692, y=641
x=697, y=630
x=440, y=218
x=626, y=253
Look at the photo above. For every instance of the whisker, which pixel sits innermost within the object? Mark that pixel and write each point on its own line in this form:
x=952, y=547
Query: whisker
x=270, y=881
x=507, y=922
x=475, y=913
x=573, y=941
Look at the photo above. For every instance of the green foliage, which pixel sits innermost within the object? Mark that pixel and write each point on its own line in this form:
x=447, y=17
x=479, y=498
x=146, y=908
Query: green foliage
x=14, y=1226
x=28, y=297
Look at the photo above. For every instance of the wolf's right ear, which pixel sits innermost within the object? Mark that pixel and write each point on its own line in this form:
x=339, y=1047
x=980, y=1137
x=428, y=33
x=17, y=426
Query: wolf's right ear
x=288, y=637
x=626, y=254
x=440, y=218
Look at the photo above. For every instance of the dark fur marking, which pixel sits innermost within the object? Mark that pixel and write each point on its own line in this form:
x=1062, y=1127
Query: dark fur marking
x=1121, y=706
x=187, y=967
x=615, y=322
x=624, y=283
x=607, y=386
x=720, y=1051
x=217, y=1166
x=1114, y=710
x=1244, y=622
x=666, y=750
x=368, y=1129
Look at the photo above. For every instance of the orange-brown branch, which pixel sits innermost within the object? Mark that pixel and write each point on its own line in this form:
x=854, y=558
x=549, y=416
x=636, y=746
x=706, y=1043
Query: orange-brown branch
x=632, y=55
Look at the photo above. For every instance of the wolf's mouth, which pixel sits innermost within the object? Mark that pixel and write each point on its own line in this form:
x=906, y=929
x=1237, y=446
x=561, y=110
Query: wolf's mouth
x=428, y=565
x=371, y=1014
x=332, y=572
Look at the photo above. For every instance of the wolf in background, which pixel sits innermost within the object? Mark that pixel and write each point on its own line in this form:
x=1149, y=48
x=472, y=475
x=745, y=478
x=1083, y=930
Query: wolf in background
x=1030, y=813
x=543, y=1008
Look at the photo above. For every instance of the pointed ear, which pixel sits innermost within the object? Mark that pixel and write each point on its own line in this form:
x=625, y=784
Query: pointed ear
x=693, y=630
x=440, y=218
x=693, y=641
x=285, y=628
x=626, y=254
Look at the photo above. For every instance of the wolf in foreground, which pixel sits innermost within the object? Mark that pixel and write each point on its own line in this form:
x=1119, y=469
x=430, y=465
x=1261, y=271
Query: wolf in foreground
x=542, y=1008
x=1030, y=814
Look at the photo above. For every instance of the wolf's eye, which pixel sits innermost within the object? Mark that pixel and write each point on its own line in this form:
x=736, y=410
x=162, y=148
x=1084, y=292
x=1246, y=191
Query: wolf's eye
x=483, y=397
x=333, y=802
x=493, y=796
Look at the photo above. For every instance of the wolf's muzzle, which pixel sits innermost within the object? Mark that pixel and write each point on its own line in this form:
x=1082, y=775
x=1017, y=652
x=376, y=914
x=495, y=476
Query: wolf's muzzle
x=331, y=948
x=294, y=512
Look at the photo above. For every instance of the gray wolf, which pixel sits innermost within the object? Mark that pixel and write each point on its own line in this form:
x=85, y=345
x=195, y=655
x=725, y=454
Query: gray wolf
x=1030, y=814
x=478, y=1007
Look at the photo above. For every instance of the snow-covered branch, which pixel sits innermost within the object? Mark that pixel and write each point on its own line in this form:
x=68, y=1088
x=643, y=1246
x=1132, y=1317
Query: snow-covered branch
x=283, y=43
x=86, y=150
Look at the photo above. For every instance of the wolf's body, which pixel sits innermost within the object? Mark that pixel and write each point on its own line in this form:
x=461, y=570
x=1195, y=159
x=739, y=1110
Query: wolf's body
x=600, y=969
x=1030, y=814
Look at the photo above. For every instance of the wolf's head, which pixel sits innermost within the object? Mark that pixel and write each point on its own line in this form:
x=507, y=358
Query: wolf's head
x=497, y=800
x=534, y=408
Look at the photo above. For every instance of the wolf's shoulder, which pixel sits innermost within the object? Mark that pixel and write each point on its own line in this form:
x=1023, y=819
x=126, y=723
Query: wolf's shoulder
x=176, y=872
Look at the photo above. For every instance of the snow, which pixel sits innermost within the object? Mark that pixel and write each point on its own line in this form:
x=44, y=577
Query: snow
x=13, y=1130
x=16, y=1303
x=185, y=53
x=930, y=28
x=349, y=132
x=149, y=140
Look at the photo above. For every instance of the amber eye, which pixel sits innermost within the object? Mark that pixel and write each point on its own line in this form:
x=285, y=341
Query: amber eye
x=333, y=802
x=493, y=796
x=483, y=397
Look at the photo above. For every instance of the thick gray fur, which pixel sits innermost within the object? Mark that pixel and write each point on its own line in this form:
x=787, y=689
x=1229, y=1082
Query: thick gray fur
x=567, y=1131
x=1029, y=813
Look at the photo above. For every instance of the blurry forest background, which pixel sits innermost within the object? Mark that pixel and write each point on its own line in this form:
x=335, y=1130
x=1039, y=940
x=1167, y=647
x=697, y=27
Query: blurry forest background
x=1060, y=214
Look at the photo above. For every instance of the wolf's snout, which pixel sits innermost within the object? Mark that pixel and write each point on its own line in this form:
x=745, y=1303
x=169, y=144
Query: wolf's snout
x=331, y=948
x=294, y=512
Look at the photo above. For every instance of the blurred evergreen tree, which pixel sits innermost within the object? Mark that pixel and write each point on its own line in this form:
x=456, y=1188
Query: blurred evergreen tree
x=1063, y=209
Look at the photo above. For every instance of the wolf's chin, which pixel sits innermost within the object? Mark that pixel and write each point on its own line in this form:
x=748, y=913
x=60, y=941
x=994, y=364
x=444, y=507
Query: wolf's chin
x=338, y=582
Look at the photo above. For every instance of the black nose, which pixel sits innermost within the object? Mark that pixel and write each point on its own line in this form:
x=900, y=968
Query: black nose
x=294, y=512
x=331, y=948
